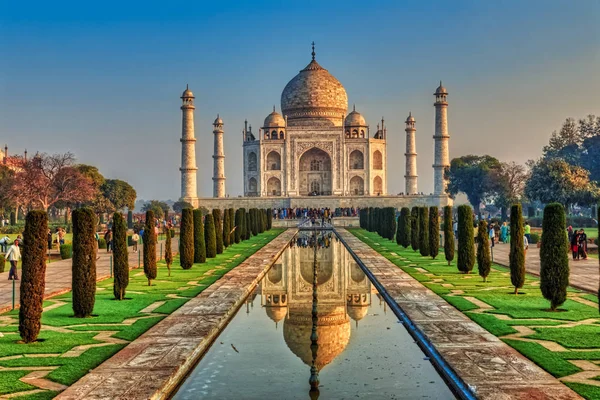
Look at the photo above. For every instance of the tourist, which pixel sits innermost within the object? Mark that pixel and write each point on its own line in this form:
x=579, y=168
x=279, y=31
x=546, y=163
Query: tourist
x=135, y=238
x=570, y=233
x=492, y=234
x=582, y=245
x=4, y=242
x=108, y=240
x=504, y=232
x=49, y=239
x=575, y=245
x=525, y=247
x=527, y=231
x=13, y=256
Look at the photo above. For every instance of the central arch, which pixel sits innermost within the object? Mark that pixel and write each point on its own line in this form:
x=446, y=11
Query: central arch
x=357, y=186
x=315, y=173
x=273, y=187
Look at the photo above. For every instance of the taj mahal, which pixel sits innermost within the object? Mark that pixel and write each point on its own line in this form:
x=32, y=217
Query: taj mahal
x=314, y=153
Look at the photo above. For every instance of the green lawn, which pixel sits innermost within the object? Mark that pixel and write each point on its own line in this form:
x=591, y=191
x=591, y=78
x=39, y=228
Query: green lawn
x=65, y=333
x=526, y=311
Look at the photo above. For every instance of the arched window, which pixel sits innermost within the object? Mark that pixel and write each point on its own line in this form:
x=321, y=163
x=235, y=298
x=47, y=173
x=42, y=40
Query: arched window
x=273, y=161
x=354, y=133
x=357, y=186
x=377, y=160
x=315, y=187
x=267, y=135
x=274, y=186
x=362, y=133
x=347, y=134
x=281, y=135
x=252, y=163
x=315, y=165
x=252, y=186
x=357, y=160
x=377, y=186
x=274, y=135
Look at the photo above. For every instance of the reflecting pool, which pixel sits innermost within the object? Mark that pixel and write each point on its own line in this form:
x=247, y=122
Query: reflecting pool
x=330, y=329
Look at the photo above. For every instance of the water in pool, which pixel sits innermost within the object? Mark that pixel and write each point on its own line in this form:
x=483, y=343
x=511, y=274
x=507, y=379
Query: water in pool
x=361, y=351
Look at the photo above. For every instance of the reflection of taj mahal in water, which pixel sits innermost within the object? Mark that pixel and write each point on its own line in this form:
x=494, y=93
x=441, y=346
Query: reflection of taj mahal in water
x=315, y=148
x=344, y=293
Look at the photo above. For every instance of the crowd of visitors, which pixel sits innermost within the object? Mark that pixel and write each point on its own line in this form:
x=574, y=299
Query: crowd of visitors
x=578, y=241
x=317, y=213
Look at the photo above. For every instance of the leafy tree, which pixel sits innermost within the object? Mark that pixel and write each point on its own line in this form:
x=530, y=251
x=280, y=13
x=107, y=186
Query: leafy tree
x=157, y=207
x=517, y=248
x=404, y=231
x=178, y=206
x=199, y=239
x=120, y=256
x=218, y=219
x=226, y=228
x=554, y=261
x=33, y=275
x=510, y=180
x=448, y=234
x=466, y=246
x=210, y=235
x=484, y=259
x=186, y=239
x=168, y=250
x=473, y=176
x=434, y=231
x=590, y=157
x=238, y=225
x=567, y=137
x=149, y=247
x=554, y=180
x=84, y=262
x=119, y=193
x=424, y=231
x=414, y=228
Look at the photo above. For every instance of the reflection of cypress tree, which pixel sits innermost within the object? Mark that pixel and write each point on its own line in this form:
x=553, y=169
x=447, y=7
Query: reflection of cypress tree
x=149, y=247
x=448, y=234
x=210, y=236
x=517, y=248
x=84, y=262
x=484, y=259
x=199, y=241
x=33, y=275
x=238, y=226
x=218, y=220
x=186, y=239
x=554, y=261
x=466, y=246
x=424, y=231
x=414, y=228
x=120, y=256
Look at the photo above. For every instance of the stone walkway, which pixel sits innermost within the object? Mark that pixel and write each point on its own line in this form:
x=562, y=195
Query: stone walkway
x=153, y=365
x=58, y=275
x=584, y=273
x=492, y=368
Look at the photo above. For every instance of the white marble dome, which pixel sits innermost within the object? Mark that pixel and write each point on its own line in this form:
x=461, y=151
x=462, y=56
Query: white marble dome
x=274, y=120
x=314, y=94
x=355, y=119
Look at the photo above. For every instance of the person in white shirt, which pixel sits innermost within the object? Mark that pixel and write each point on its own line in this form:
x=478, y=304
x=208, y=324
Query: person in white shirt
x=526, y=246
x=135, y=239
x=13, y=255
x=4, y=242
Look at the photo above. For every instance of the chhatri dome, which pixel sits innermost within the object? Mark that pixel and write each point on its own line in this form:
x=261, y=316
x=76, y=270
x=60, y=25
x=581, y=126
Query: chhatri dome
x=355, y=119
x=274, y=120
x=314, y=94
x=187, y=93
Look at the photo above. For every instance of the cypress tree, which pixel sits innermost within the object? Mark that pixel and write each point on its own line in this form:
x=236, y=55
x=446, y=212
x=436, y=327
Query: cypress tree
x=120, y=256
x=210, y=236
x=424, y=231
x=168, y=250
x=466, y=245
x=218, y=222
x=254, y=221
x=238, y=226
x=248, y=226
x=149, y=247
x=404, y=226
x=554, y=259
x=399, y=229
x=517, y=248
x=260, y=220
x=226, y=228
x=434, y=231
x=199, y=241
x=84, y=262
x=371, y=225
x=269, y=218
x=231, y=226
x=484, y=259
x=414, y=228
x=393, y=225
x=186, y=238
x=448, y=234
x=129, y=219
x=33, y=275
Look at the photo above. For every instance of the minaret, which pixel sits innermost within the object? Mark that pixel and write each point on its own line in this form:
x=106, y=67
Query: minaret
x=441, y=159
x=411, y=156
x=219, y=160
x=188, y=148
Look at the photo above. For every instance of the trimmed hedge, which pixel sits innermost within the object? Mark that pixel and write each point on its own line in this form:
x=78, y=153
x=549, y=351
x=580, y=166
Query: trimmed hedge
x=424, y=231
x=226, y=228
x=231, y=226
x=168, y=250
x=248, y=226
x=434, y=232
x=84, y=262
x=484, y=258
x=210, y=236
x=218, y=221
x=33, y=275
x=150, y=248
x=238, y=225
x=269, y=218
x=466, y=245
x=554, y=259
x=414, y=228
x=66, y=251
x=186, y=239
x=448, y=234
x=404, y=231
x=120, y=256
x=517, y=248
x=199, y=241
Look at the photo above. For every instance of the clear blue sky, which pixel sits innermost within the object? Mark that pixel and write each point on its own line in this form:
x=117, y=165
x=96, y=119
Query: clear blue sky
x=103, y=79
